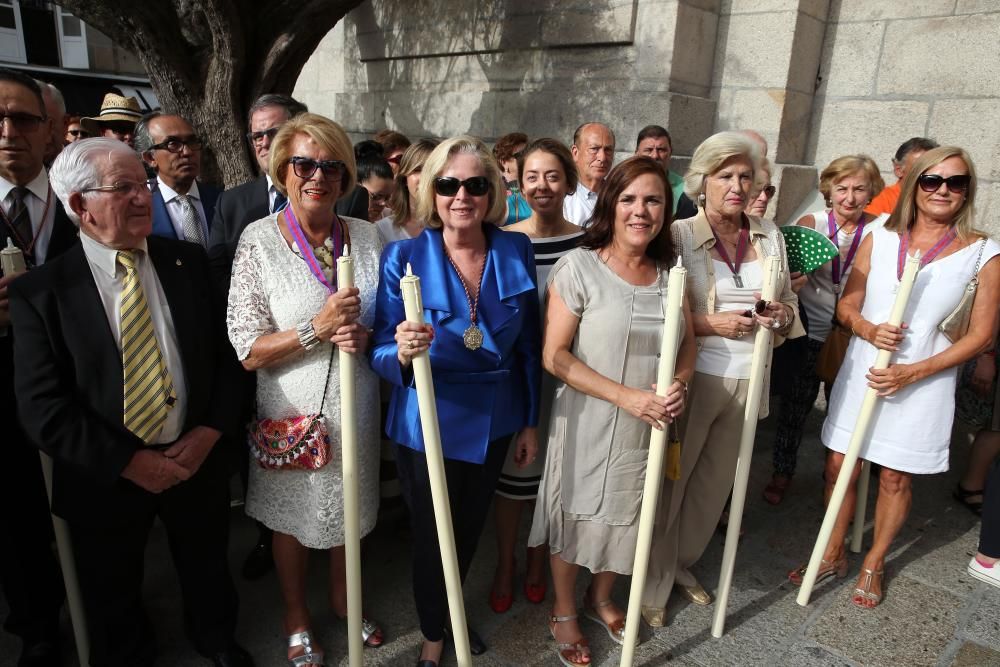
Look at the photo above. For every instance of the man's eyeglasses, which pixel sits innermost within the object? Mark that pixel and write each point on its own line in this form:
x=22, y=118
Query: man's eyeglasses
x=82, y=134
x=176, y=144
x=258, y=137
x=448, y=186
x=769, y=190
x=127, y=188
x=932, y=182
x=22, y=122
x=305, y=167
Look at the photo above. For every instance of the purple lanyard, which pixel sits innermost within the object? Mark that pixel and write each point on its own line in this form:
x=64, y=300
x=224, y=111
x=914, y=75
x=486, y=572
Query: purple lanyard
x=741, y=249
x=904, y=243
x=307, y=250
x=838, y=273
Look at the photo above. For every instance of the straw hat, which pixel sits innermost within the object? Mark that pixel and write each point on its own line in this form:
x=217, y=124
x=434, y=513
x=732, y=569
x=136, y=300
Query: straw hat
x=113, y=108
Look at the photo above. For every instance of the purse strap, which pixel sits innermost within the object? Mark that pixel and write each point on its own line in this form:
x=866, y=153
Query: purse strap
x=979, y=259
x=329, y=372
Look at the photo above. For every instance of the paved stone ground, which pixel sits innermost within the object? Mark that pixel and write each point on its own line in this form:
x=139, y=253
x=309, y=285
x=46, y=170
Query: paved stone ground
x=933, y=614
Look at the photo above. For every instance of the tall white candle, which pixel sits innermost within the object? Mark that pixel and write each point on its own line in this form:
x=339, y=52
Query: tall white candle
x=758, y=366
x=349, y=451
x=672, y=327
x=409, y=285
x=858, y=436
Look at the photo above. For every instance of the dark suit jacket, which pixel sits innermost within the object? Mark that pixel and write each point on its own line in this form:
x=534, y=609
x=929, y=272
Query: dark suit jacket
x=162, y=226
x=234, y=210
x=68, y=375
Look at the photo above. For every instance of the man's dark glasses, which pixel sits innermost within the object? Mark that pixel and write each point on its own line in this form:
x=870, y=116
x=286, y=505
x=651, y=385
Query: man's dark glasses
x=448, y=186
x=177, y=144
x=258, y=137
x=932, y=182
x=305, y=167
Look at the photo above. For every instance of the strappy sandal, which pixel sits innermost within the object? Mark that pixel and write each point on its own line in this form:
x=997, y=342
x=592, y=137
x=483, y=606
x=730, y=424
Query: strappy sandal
x=310, y=656
x=863, y=593
x=615, y=629
x=371, y=633
x=774, y=492
x=962, y=495
x=579, y=646
x=827, y=569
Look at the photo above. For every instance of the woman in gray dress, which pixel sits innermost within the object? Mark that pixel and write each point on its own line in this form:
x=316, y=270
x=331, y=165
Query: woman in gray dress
x=604, y=320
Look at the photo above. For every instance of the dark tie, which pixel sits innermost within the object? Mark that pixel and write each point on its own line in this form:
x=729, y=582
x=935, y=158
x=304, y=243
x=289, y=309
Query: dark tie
x=20, y=220
x=279, y=201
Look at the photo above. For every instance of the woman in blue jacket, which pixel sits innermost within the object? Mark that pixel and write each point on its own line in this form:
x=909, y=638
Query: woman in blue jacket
x=483, y=332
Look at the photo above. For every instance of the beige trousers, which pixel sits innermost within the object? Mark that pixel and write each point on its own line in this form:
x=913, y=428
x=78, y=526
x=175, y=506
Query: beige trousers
x=690, y=507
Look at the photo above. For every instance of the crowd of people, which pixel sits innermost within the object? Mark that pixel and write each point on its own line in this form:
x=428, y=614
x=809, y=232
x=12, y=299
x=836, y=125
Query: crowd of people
x=164, y=334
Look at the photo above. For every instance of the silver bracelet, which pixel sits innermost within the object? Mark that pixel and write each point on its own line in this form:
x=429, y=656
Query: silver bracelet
x=307, y=335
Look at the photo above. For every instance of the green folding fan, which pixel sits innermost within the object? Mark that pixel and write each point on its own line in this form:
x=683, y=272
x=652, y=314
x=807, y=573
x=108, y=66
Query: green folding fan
x=807, y=249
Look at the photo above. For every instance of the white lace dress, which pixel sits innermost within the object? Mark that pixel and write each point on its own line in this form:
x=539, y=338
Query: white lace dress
x=273, y=290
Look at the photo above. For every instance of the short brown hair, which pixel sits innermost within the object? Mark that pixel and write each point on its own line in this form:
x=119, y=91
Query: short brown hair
x=330, y=136
x=503, y=149
x=848, y=165
x=496, y=211
x=392, y=140
x=555, y=148
x=601, y=229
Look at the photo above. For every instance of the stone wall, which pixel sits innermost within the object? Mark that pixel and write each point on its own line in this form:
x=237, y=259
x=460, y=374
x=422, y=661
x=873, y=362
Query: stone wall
x=819, y=78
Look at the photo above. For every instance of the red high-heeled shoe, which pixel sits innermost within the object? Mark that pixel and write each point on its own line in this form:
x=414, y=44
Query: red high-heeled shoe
x=500, y=602
x=535, y=593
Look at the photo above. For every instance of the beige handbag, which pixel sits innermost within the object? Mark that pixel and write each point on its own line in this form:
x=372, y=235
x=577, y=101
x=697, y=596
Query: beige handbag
x=956, y=324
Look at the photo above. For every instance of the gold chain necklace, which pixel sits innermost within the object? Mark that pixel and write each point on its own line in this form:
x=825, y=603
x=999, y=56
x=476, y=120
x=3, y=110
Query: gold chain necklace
x=473, y=336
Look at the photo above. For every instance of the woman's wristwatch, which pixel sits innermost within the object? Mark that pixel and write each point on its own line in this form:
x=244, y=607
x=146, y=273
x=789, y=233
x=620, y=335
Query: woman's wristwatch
x=307, y=335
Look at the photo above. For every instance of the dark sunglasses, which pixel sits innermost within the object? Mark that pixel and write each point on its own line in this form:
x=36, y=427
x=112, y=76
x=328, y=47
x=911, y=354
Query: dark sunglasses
x=758, y=308
x=305, y=167
x=932, y=182
x=448, y=186
x=176, y=144
x=79, y=133
x=769, y=190
x=258, y=137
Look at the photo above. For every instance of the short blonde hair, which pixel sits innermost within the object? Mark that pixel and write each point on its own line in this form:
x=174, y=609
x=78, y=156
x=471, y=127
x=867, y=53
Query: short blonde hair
x=331, y=138
x=712, y=153
x=848, y=165
x=905, y=213
x=436, y=163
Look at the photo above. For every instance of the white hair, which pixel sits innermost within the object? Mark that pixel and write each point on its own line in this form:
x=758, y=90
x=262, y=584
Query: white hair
x=80, y=166
x=713, y=152
x=54, y=93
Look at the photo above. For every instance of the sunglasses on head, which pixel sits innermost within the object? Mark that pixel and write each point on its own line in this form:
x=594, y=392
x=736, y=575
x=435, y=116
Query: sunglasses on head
x=448, y=186
x=932, y=182
x=305, y=167
x=759, y=307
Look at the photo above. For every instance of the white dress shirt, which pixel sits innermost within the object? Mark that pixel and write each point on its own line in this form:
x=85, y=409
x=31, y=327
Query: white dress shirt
x=272, y=193
x=175, y=211
x=579, y=206
x=42, y=218
x=109, y=276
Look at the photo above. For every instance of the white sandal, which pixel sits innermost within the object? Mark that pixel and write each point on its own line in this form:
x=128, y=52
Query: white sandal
x=310, y=657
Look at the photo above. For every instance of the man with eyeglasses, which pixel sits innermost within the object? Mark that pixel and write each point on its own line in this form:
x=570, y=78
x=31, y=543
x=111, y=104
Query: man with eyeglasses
x=33, y=220
x=131, y=407
x=182, y=207
x=235, y=209
x=593, y=152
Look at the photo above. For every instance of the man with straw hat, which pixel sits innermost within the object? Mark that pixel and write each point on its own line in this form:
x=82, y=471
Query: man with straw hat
x=116, y=119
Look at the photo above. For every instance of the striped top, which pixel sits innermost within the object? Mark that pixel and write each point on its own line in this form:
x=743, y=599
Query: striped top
x=547, y=253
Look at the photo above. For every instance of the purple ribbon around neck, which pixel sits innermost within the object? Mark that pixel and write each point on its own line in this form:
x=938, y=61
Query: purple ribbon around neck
x=307, y=250
x=839, y=273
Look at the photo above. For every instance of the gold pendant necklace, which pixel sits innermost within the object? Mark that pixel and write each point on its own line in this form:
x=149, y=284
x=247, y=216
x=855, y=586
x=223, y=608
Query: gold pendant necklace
x=473, y=336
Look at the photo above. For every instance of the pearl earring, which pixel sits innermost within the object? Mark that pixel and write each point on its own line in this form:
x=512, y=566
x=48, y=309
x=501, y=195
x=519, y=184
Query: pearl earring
x=701, y=200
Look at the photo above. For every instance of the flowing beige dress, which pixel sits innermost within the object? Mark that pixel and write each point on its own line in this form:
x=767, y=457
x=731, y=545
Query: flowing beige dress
x=591, y=489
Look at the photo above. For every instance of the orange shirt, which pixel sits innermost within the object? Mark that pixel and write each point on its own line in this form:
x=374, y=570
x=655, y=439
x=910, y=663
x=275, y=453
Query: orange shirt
x=885, y=201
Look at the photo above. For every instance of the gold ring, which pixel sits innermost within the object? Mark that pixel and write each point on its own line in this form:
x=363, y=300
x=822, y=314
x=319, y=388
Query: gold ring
x=412, y=344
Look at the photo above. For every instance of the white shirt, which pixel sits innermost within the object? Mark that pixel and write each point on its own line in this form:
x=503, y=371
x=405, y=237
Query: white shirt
x=731, y=357
x=109, y=276
x=272, y=193
x=579, y=206
x=42, y=218
x=175, y=211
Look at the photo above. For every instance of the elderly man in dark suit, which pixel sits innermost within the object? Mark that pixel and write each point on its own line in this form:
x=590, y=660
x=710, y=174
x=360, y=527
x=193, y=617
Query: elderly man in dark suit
x=123, y=377
x=182, y=207
x=33, y=220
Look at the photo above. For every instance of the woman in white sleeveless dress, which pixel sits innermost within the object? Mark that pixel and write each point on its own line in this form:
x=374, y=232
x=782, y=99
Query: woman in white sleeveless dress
x=911, y=427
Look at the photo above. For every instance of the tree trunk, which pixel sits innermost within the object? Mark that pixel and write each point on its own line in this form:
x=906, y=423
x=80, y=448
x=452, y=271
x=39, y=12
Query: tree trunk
x=208, y=60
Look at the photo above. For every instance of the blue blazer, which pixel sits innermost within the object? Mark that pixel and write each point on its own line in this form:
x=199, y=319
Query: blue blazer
x=482, y=394
x=161, y=219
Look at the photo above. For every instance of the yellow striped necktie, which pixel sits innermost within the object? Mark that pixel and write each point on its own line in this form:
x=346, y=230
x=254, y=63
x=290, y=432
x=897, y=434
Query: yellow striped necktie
x=149, y=389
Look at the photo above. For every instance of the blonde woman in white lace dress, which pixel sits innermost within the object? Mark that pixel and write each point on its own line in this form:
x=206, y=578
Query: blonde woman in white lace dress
x=283, y=317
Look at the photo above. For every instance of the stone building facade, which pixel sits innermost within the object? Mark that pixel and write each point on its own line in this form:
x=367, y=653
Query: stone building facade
x=818, y=78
